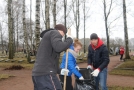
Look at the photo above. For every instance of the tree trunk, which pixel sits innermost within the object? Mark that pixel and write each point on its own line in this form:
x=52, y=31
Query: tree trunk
x=77, y=18
x=17, y=32
x=106, y=26
x=25, y=34
x=1, y=39
x=47, y=14
x=31, y=31
x=125, y=31
x=84, y=27
x=54, y=12
x=37, y=36
x=65, y=15
x=10, y=30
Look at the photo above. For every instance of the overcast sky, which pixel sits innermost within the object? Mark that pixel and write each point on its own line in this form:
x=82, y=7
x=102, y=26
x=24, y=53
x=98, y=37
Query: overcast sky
x=95, y=23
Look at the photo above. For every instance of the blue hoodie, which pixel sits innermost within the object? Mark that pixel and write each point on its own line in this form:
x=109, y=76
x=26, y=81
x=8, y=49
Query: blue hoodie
x=71, y=64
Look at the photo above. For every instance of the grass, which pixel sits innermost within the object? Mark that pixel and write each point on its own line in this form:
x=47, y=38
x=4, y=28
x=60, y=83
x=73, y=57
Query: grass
x=5, y=76
x=120, y=88
x=125, y=69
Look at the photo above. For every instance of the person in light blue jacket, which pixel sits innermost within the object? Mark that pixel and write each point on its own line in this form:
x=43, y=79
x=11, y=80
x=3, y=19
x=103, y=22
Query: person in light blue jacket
x=72, y=65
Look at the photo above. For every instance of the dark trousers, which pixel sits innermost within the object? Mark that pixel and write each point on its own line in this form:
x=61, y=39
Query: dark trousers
x=68, y=82
x=121, y=57
x=46, y=82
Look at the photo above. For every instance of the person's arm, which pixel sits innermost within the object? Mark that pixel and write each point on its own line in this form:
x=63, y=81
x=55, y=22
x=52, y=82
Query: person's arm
x=71, y=66
x=105, y=55
x=57, y=43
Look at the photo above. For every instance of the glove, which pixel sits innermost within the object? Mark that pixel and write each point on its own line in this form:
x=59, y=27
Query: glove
x=81, y=78
x=69, y=33
x=90, y=66
x=95, y=72
x=77, y=67
x=64, y=71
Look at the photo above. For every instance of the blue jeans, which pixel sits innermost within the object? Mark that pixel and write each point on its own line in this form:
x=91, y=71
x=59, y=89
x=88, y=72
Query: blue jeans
x=102, y=80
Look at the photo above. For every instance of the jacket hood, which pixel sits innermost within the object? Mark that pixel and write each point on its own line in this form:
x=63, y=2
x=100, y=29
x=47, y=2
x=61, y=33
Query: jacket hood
x=71, y=47
x=100, y=43
x=73, y=53
x=43, y=32
x=71, y=50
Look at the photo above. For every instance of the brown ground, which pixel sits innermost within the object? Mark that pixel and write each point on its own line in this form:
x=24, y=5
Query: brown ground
x=23, y=81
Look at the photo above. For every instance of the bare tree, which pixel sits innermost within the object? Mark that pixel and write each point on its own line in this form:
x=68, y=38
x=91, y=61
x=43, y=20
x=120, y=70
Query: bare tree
x=10, y=30
x=84, y=24
x=76, y=13
x=25, y=34
x=65, y=14
x=1, y=34
x=54, y=12
x=125, y=31
x=47, y=14
x=37, y=31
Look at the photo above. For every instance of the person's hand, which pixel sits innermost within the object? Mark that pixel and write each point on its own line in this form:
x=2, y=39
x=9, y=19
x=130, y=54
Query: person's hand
x=64, y=71
x=90, y=67
x=95, y=72
x=77, y=67
x=81, y=78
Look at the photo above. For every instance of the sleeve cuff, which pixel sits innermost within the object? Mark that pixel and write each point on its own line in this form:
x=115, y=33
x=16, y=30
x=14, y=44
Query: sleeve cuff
x=98, y=69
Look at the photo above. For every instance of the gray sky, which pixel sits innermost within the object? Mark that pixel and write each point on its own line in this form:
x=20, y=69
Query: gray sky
x=95, y=23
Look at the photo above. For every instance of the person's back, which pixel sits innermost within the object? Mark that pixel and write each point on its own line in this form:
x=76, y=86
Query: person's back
x=47, y=58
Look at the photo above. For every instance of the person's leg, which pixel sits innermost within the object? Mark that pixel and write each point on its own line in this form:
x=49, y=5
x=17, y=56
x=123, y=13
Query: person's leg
x=121, y=56
x=46, y=82
x=103, y=79
x=97, y=82
x=35, y=84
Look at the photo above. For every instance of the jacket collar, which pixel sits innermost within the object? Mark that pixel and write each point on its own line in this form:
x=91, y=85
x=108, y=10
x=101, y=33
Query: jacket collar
x=73, y=53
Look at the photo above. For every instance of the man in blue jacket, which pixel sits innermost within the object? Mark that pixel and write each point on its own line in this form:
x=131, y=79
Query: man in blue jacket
x=98, y=60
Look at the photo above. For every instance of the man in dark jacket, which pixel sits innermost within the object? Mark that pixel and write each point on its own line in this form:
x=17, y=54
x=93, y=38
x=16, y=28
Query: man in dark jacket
x=47, y=59
x=98, y=60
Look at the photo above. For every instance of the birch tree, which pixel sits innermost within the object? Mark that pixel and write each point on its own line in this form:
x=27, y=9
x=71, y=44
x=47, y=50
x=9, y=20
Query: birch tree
x=47, y=18
x=1, y=34
x=10, y=30
x=37, y=28
x=54, y=12
x=125, y=31
x=25, y=34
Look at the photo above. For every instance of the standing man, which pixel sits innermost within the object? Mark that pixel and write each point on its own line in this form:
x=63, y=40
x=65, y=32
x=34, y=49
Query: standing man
x=47, y=58
x=98, y=60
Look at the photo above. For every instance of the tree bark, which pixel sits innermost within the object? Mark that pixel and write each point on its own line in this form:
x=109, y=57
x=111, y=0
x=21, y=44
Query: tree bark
x=47, y=14
x=54, y=12
x=106, y=26
x=65, y=15
x=1, y=34
x=10, y=30
x=37, y=36
x=84, y=27
x=31, y=26
x=125, y=31
x=25, y=34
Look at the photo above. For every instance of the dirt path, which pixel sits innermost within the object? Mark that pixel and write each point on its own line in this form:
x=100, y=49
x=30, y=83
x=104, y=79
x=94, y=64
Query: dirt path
x=23, y=81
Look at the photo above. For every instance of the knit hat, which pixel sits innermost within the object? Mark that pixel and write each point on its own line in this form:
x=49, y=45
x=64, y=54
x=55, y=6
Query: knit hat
x=93, y=36
x=61, y=27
